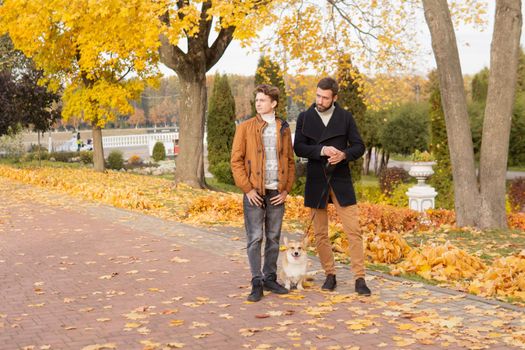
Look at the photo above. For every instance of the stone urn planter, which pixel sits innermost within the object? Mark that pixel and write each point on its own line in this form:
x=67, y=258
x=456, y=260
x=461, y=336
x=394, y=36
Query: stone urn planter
x=421, y=196
x=421, y=171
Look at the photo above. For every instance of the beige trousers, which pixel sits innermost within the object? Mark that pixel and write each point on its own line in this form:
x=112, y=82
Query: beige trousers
x=350, y=218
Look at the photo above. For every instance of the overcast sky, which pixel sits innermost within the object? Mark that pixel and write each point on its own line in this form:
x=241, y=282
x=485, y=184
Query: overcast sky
x=473, y=45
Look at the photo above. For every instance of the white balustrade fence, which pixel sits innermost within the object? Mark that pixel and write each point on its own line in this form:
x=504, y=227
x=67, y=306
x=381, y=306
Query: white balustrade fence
x=122, y=141
x=138, y=140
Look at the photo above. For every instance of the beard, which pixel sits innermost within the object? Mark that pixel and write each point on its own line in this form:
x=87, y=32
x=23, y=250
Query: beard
x=323, y=109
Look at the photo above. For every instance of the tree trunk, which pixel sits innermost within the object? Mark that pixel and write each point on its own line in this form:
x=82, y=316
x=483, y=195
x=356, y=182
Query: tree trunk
x=382, y=163
x=376, y=161
x=368, y=158
x=191, y=68
x=467, y=197
x=498, y=112
x=190, y=163
x=98, y=150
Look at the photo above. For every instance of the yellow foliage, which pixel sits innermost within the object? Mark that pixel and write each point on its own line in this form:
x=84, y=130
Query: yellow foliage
x=216, y=208
x=158, y=197
x=88, y=47
x=506, y=277
x=386, y=247
x=441, y=263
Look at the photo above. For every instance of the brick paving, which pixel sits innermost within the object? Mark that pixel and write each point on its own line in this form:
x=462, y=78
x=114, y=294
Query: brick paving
x=77, y=275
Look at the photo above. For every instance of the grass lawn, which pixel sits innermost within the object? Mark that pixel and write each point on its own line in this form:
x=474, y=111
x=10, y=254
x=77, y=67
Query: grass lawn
x=488, y=245
x=517, y=168
x=44, y=163
x=369, y=181
x=210, y=181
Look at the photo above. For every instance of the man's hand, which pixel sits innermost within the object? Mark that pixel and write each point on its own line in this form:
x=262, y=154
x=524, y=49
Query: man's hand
x=279, y=199
x=330, y=151
x=336, y=157
x=254, y=198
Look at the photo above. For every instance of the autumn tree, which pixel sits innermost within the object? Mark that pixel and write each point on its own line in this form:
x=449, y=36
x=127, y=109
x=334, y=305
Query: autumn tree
x=89, y=49
x=137, y=117
x=23, y=102
x=480, y=85
x=194, y=25
x=479, y=201
x=157, y=116
x=269, y=72
x=312, y=36
x=242, y=90
x=221, y=127
x=166, y=109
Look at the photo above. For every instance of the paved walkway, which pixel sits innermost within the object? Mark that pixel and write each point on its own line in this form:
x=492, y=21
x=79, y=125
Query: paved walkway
x=86, y=276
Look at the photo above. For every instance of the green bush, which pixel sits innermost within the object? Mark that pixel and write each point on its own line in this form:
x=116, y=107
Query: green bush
x=43, y=155
x=389, y=178
x=442, y=183
x=65, y=157
x=115, y=160
x=356, y=169
x=222, y=172
x=300, y=168
x=27, y=157
x=159, y=151
x=86, y=157
x=370, y=194
x=298, y=186
x=407, y=129
x=34, y=148
x=398, y=196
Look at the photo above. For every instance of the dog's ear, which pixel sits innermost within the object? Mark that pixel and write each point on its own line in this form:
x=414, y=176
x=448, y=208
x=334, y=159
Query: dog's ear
x=285, y=240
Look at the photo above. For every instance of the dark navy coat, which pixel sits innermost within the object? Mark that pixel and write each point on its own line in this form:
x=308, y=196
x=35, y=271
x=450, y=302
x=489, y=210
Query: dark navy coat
x=310, y=137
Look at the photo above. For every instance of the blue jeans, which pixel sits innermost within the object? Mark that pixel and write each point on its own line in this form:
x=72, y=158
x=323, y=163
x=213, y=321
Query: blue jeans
x=267, y=219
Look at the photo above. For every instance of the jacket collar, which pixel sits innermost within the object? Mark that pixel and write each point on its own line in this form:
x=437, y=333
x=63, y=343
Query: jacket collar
x=314, y=128
x=282, y=124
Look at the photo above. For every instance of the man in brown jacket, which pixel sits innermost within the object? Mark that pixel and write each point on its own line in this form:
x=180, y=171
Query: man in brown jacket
x=263, y=167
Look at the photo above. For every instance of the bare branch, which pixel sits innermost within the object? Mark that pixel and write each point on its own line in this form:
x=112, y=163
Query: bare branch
x=124, y=75
x=345, y=16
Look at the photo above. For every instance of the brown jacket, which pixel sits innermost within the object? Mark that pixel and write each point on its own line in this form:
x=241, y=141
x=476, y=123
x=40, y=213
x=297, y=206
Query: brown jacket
x=248, y=158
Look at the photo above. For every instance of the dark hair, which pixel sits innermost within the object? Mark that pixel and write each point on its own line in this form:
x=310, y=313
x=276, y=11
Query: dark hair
x=328, y=84
x=268, y=90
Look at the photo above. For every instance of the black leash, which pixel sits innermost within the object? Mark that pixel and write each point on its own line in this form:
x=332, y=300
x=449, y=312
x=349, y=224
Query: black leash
x=328, y=168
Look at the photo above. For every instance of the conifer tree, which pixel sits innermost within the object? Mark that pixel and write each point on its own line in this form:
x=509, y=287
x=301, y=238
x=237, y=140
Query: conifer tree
x=442, y=178
x=349, y=98
x=269, y=72
x=221, y=129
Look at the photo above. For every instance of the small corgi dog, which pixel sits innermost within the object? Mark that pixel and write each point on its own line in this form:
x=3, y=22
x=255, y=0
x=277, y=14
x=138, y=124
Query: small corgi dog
x=294, y=261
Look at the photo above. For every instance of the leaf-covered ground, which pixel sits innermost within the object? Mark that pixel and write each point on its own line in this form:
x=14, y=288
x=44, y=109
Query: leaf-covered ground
x=81, y=275
x=398, y=240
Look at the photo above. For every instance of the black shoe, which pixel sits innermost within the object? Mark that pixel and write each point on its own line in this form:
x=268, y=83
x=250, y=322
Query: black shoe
x=330, y=283
x=257, y=290
x=361, y=288
x=270, y=283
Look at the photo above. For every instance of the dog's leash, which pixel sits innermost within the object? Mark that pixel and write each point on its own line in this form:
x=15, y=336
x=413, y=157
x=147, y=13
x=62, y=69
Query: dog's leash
x=330, y=169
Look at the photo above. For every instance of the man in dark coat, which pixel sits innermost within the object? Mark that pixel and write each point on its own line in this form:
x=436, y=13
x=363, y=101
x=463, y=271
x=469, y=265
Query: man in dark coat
x=327, y=135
